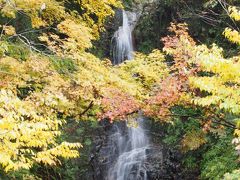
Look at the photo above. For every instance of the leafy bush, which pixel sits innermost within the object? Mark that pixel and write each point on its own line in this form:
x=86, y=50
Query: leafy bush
x=219, y=159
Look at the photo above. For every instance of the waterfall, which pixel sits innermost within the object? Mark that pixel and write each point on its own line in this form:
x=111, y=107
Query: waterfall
x=129, y=144
x=122, y=46
x=131, y=147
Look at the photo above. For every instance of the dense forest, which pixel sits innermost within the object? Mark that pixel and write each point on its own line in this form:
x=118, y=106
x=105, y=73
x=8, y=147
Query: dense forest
x=81, y=79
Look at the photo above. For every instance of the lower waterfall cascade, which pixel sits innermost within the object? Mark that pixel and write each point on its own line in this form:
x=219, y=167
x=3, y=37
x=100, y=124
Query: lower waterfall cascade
x=131, y=150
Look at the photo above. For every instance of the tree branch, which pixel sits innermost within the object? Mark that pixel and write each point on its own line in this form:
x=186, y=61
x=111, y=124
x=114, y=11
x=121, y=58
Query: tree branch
x=89, y=107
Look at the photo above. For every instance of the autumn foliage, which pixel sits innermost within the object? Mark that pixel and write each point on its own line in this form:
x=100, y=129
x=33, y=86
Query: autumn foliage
x=48, y=76
x=118, y=105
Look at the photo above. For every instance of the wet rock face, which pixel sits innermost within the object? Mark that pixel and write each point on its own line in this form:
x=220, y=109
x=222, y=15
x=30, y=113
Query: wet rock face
x=105, y=151
x=163, y=164
x=160, y=162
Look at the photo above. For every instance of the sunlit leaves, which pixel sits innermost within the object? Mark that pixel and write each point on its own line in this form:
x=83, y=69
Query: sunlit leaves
x=167, y=96
x=9, y=30
x=29, y=121
x=233, y=175
x=66, y=31
x=78, y=38
x=117, y=105
x=205, y=69
x=54, y=10
x=206, y=79
x=232, y=35
x=234, y=12
x=171, y=89
x=26, y=133
x=100, y=8
x=193, y=140
x=223, y=86
x=149, y=69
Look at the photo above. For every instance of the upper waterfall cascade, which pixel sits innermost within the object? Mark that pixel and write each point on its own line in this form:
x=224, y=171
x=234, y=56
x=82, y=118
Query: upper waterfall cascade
x=122, y=42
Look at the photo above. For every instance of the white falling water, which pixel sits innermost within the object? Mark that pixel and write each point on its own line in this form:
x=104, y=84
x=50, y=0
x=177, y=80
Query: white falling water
x=122, y=46
x=130, y=145
x=132, y=153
